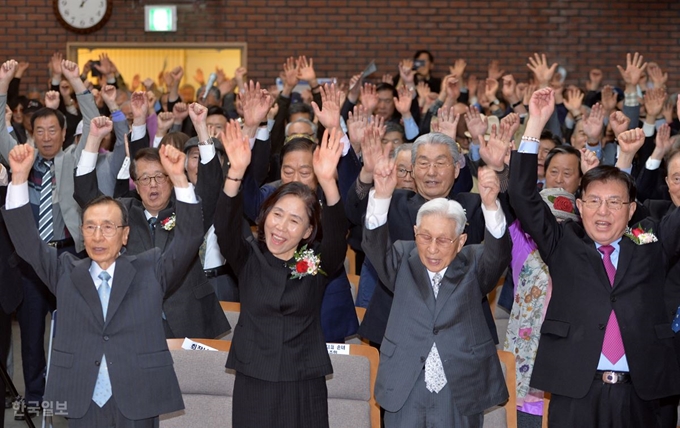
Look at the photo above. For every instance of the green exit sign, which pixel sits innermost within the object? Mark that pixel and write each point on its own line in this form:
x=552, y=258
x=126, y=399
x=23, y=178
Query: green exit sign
x=160, y=18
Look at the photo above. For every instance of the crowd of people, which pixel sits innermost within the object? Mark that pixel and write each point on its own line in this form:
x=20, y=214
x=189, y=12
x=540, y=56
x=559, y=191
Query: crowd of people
x=135, y=208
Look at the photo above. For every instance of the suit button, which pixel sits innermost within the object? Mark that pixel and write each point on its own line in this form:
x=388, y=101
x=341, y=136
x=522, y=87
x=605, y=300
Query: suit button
x=613, y=298
x=97, y=363
x=106, y=338
x=423, y=359
x=601, y=326
x=435, y=331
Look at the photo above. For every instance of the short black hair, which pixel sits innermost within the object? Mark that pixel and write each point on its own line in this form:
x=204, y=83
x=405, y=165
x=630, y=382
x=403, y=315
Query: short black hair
x=104, y=199
x=149, y=154
x=308, y=197
x=604, y=173
x=216, y=110
x=563, y=149
x=387, y=87
x=49, y=112
x=297, y=144
x=424, y=51
x=297, y=108
x=547, y=135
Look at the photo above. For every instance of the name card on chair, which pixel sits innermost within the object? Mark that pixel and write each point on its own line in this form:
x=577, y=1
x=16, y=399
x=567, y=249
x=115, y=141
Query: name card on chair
x=338, y=348
x=190, y=345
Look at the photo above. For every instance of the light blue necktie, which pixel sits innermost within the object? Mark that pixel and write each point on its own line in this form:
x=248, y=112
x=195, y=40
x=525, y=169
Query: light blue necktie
x=102, y=389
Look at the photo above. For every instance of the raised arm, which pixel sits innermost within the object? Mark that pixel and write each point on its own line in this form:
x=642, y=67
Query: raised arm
x=7, y=71
x=534, y=215
x=85, y=183
x=20, y=223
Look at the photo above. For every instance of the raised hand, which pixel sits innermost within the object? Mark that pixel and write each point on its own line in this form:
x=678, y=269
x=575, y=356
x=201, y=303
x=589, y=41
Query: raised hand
x=176, y=75
x=70, y=70
x=493, y=151
x=306, y=70
x=21, y=69
x=594, y=123
x=589, y=160
x=55, y=65
x=372, y=150
x=542, y=105
x=237, y=147
x=289, y=75
x=633, y=71
x=662, y=142
x=199, y=77
x=369, y=97
x=151, y=100
x=403, y=103
x=509, y=89
x=619, y=123
x=180, y=111
x=489, y=187
x=327, y=156
x=256, y=104
x=406, y=72
x=494, y=71
x=198, y=113
x=108, y=94
x=608, y=99
x=105, y=66
x=458, y=68
x=476, y=124
x=384, y=178
x=513, y=122
x=594, y=79
x=329, y=117
x=173, y=161
x=472, y=84
x=165, y=120
x=452, y=89
x=7, y=71
x=654, y=100
x=52, y=99
x=656, y=75
x=539, y=66
x=100, y=127
x=387, y=78
x=447, y=123
x=490, y=89
x=21, y=159
x=354, y=88
x=240, y=75
x=140, y=108
x=356, y=124
x=630, y=141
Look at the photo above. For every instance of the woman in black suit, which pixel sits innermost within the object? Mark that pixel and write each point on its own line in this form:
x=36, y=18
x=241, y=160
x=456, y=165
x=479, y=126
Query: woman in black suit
x=278, y=350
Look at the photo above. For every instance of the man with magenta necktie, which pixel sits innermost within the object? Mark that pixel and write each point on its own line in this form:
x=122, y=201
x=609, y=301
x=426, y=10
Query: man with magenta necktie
x=110, y=362
x=606, y=350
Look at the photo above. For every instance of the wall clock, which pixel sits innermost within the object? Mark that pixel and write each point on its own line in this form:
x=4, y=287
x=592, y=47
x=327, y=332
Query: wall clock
x=83, y=16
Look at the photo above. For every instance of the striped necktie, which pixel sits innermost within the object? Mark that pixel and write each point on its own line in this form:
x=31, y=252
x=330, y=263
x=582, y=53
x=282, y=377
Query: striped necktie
x=45, y=220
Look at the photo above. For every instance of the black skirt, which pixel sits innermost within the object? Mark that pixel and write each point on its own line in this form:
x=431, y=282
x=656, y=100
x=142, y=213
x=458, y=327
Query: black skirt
x=297, y=404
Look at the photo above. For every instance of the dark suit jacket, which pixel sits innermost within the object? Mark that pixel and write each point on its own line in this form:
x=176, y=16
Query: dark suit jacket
x=582, y=298
x=192, y=310
x=402, y=214
x=131, y=337
x=10, y=293
x=455, y=321
x=278, y=336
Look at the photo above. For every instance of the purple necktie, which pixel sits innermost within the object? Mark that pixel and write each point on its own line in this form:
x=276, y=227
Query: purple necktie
x=612, y=347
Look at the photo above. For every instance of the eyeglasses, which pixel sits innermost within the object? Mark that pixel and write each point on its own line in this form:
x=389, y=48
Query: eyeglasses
x=438, y=166
x=613, y=204
x=402, y=173
x=159, y=179
x=108, y=229
x=424, y=239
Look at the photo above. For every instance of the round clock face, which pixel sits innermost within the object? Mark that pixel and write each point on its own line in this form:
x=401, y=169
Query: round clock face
x=83, y=16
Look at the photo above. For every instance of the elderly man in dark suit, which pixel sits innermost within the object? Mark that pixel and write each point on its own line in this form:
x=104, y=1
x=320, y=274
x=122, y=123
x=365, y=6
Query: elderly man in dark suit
x=606, y=351
x=110, y=362
x=438, y=362
x=192, y=310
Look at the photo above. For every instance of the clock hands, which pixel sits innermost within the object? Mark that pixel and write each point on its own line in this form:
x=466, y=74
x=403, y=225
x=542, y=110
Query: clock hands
x=83, y=3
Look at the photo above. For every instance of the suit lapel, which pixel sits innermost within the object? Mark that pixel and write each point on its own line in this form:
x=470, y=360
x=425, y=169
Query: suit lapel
x=452, y=277
x=595, y=259
x=413, y=205
x=140, y=228
x=80, y=276
x=422, y=279
x=122, y=278
x=626, y=250
x=162, y=235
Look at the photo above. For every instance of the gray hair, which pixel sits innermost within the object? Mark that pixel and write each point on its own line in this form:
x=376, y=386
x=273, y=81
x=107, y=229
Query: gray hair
x=436, y=138
x=402, y=148
x=303, y=120
x=446, y=208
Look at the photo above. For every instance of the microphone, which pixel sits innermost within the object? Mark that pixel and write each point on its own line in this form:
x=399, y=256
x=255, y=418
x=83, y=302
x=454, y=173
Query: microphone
x=211, y=82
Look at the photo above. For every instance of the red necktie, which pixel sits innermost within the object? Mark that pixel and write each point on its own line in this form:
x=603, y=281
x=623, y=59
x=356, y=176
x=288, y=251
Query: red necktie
x=612, y=347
